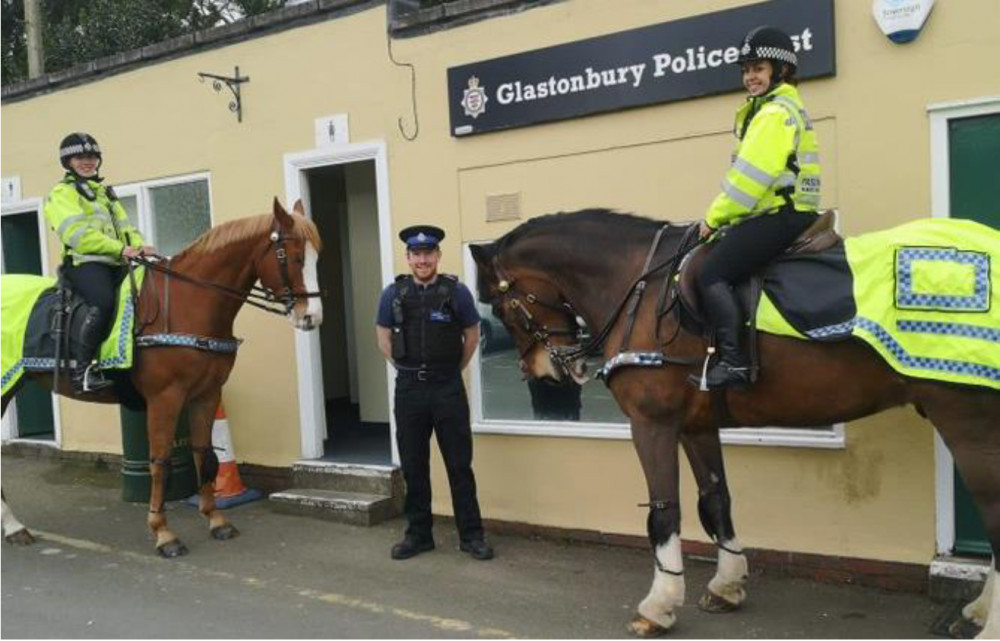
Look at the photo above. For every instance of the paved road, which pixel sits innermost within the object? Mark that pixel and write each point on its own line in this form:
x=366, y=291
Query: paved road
x=94, y=574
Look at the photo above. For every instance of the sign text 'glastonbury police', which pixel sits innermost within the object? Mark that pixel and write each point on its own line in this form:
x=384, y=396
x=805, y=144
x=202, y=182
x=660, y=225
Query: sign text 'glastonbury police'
x=660, y=63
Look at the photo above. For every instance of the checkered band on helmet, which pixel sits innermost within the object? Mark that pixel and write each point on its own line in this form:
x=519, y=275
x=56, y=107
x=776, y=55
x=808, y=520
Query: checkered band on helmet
x=77, y=144
x=768, y=43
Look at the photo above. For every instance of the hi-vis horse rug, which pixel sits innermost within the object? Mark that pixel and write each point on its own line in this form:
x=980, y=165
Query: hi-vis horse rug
x=924, y=295
x=26, y=303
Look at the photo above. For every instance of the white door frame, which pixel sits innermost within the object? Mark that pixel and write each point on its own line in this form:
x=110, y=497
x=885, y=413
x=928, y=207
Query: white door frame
x=312, y=413
x=940, y=114
x=24, y=206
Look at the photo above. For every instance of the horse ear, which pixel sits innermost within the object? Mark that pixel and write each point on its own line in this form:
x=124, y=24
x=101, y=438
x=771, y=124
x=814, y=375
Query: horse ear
x=482, y=254
x=298, y=208
x=282, y=216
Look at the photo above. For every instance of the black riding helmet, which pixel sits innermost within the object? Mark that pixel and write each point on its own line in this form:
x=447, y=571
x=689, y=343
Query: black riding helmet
x=770, y=43
x=79, y=144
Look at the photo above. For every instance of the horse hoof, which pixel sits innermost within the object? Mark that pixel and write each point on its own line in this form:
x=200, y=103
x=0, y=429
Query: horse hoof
x=963, y=628
x=225, y=532
x=21, y=537
x=711, y=602
x=172, y=549
x=644, y=628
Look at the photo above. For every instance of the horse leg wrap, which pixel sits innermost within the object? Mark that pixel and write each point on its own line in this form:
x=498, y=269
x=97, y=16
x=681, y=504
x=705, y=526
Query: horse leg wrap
x=664, y=520
x=715, y=512
x=209, y=465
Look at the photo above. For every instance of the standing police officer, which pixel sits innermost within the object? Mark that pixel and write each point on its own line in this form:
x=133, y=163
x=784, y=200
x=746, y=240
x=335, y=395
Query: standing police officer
x=428, y=328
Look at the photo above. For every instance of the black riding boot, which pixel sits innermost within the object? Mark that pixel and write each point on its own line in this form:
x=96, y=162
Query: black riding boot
x=731, y=366
x=86, y=378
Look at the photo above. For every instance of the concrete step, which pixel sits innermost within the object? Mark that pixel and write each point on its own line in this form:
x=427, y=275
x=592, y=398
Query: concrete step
x=348, y=477
x=357, y=508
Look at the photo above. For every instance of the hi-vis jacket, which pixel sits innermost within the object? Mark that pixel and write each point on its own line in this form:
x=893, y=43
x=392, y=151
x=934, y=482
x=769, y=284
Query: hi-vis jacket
x=82, y=219
x=776, y=161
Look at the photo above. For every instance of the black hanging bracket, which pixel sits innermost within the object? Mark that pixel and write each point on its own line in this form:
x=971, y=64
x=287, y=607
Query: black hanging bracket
x=236, y=104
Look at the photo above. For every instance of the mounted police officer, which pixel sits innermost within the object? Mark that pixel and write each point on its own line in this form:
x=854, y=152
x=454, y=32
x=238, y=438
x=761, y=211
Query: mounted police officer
x=769, y=196
x=97, y=239
x=428, y=328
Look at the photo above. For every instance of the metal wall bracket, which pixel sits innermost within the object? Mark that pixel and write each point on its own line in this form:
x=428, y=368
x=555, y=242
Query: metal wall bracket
x=236, y=104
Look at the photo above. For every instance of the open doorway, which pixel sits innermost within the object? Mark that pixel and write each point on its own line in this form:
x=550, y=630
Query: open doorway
x=344, y=205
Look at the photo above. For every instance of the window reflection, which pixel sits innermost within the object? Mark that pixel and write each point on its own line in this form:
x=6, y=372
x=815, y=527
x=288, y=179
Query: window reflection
x=506, y=396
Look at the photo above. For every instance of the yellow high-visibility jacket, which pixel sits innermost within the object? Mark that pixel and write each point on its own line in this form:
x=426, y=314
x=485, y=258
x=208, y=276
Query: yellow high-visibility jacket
x=776, y=160
x=93, y=229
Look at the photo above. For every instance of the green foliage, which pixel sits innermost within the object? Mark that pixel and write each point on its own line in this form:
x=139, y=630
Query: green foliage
x=76, y=32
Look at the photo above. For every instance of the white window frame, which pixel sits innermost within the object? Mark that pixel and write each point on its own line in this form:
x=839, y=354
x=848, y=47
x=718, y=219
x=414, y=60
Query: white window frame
x=940, y=114
x=9, y=429
x=144, y=202
x=833, y=438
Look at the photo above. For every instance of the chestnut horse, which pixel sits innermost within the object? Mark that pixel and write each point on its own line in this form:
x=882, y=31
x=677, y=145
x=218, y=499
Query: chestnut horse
x=208, y=284
x=549, y=270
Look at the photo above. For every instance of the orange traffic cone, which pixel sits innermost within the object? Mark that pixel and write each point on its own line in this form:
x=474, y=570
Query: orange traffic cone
x=229, y=488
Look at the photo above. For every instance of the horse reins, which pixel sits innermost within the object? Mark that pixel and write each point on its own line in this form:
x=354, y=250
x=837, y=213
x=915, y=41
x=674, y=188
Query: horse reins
x=260, y=297
x=563, y=356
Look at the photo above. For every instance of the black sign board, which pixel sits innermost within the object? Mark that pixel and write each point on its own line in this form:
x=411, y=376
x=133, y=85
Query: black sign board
x=659, y=63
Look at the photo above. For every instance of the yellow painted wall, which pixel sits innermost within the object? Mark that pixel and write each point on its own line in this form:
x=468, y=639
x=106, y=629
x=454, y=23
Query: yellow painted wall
x=874, y=499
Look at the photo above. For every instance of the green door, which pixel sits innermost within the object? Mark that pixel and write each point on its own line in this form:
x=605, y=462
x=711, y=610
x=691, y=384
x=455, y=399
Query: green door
x=973, y=149
x=22, y=254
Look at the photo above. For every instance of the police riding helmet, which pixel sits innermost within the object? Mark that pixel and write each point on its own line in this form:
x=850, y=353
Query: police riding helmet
x=769, y=43
x=78, y=144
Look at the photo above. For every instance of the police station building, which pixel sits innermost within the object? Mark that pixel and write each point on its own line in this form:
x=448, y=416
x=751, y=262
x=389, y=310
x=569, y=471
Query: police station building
x=476, y=116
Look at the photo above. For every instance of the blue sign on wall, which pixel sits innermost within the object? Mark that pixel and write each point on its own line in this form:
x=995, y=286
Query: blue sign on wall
x=665, y=62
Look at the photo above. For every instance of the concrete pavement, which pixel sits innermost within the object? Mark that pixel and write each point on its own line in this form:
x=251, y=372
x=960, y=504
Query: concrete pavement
x=94, y=574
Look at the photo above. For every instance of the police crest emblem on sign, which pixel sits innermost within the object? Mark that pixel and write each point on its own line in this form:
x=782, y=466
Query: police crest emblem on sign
x=474, y=98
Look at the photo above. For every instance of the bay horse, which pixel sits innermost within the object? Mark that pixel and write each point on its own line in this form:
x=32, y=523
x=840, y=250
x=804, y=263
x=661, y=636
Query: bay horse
x=547, y=272
x=209, y=282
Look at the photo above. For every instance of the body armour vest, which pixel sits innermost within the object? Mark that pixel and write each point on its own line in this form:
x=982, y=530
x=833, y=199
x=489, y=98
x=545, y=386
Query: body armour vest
x=432, y=335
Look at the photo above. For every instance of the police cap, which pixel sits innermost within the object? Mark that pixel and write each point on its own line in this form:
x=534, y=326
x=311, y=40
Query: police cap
x=422, y=236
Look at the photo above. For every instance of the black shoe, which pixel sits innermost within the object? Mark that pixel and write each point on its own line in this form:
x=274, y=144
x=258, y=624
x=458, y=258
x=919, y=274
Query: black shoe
x=727, y=374
x=410, y=547
x=90, y=380
x=477, y=549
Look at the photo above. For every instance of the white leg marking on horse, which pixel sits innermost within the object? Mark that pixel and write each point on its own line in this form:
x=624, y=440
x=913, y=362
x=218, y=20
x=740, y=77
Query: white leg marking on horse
x=991, y=628
x=731, y=574
x=978, y=610
x=667, y=591
x=10, y=523
x=314, y=310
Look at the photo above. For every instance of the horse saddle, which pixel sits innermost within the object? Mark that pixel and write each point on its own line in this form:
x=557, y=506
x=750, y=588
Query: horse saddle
x=58, y=312
x=810, y=284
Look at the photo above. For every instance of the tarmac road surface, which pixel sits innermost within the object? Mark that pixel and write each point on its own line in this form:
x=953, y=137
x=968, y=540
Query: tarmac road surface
x=94, y=574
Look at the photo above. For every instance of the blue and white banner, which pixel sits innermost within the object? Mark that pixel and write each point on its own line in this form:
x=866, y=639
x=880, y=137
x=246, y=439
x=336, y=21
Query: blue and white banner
x=660, y=63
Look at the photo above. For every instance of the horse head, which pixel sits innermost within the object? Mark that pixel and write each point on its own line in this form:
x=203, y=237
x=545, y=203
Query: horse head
x=288, y=267
x=530, y=304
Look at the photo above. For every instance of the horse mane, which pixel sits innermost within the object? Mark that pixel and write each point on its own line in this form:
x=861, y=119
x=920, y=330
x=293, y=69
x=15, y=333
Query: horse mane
x=235, y=231
x=592, y=215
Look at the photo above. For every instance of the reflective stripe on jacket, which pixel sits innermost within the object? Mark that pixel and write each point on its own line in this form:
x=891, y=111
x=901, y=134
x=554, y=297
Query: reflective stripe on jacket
x=85, y=227
x=778, y=139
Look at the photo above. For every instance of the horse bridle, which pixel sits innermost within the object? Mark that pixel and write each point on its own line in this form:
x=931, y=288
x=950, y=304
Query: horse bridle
x=519, y=301
x=259, y=296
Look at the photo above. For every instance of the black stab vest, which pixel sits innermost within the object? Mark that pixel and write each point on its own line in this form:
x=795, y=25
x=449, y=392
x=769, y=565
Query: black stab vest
x=432, y=334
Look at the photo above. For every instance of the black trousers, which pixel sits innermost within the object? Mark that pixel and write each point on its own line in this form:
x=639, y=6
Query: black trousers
x=441, y=407
x=97, y=284
x=745, y=249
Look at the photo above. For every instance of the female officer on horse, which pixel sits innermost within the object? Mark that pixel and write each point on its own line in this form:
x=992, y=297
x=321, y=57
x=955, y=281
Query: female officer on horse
x=769, y=194
x=97, y=239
